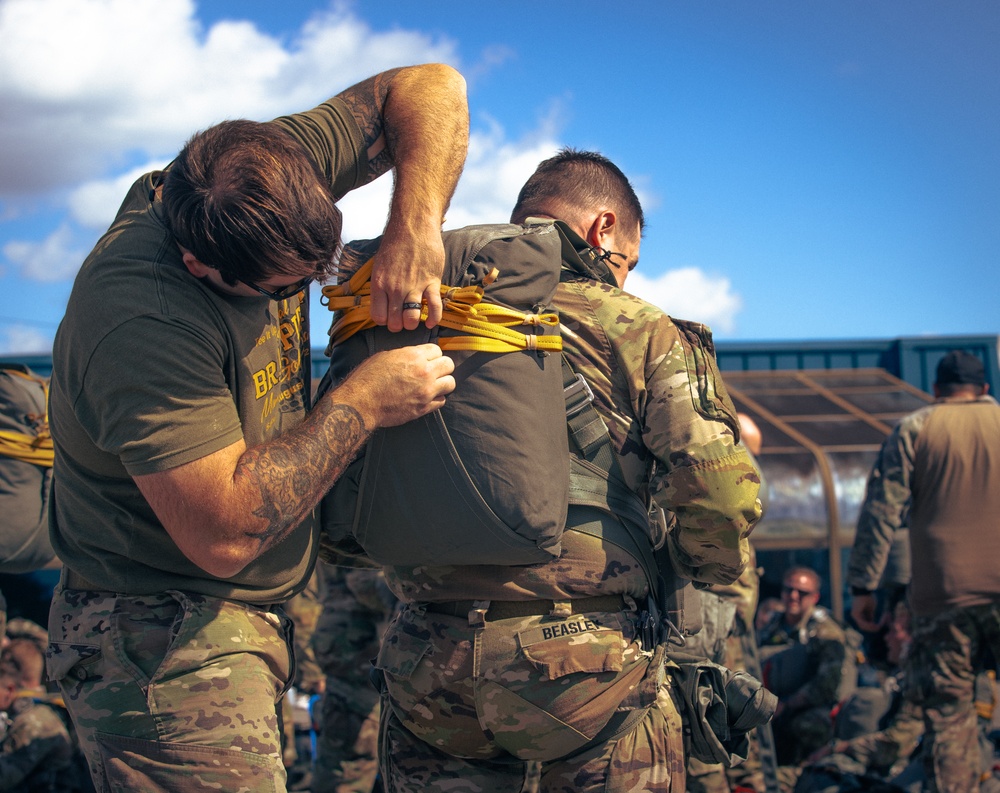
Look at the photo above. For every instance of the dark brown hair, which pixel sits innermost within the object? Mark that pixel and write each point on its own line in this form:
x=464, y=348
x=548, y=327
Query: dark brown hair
x=579, y=181
x=245, y=198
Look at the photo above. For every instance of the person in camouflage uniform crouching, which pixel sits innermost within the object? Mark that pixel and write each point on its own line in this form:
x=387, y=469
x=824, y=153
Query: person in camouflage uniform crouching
x=491, y=672
x=808, y=663
x=357, y=606
x=36, y=751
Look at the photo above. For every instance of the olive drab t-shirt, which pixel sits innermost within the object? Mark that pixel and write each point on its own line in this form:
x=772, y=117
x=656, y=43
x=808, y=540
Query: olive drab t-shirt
x=153, y=369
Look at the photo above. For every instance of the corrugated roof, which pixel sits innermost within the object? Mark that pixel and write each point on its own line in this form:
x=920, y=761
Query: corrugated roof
x=821, y=432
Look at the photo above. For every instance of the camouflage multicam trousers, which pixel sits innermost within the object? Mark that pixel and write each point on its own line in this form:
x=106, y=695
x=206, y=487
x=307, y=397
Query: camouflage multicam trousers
x=172, y=691
x=478, y=708
x=357, y=607
x=948, y=651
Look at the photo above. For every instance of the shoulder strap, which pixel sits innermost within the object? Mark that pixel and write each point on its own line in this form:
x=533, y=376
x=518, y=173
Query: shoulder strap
x=596, y=480
x=596, y=476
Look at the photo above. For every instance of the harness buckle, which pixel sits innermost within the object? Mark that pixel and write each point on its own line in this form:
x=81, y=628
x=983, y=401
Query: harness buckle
x=477, y=614
x=578, y=395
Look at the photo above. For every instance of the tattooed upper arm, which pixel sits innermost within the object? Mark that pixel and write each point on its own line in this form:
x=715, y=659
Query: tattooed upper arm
x=366, y=101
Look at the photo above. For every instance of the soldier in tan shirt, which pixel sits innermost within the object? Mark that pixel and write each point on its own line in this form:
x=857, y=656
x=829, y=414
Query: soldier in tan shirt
x=939, y=473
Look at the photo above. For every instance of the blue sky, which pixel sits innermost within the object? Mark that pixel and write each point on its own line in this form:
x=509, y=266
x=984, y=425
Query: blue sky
x=810, y=170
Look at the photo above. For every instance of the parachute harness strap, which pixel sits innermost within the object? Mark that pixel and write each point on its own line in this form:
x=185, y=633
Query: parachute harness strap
x=486, y=327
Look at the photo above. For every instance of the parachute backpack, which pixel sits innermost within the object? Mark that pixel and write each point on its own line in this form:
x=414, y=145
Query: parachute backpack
x=25, y=470
x=484, y=480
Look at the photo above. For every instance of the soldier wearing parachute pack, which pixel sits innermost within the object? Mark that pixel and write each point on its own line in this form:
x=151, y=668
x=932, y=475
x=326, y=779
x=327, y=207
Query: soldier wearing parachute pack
x=551, y=660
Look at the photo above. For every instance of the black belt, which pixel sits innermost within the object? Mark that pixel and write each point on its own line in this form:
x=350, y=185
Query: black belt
x=509, y=609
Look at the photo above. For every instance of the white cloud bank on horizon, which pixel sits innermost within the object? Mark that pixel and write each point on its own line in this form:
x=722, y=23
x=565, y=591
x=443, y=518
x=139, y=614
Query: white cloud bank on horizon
x=690, y=293
x=21, y=339
x=54, y=259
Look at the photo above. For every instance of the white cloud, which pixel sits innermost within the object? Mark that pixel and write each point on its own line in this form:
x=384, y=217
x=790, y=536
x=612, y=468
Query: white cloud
x=86, y=83
x=54, y=259
x=17, y=339
x=690, y=293
x=365, y=210
x=494, y=172
x=95, y=203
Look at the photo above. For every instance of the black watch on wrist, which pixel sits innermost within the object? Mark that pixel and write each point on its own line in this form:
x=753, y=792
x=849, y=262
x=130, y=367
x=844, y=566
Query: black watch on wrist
x=860, y=590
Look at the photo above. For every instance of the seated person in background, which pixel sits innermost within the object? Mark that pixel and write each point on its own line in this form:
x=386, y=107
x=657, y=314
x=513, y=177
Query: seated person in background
x=808, y=664
x=766, y=609
x=879, y=728
x=35, y=747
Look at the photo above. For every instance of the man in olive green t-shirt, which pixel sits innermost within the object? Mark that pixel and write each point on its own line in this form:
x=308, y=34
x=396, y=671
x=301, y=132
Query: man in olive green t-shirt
x=186, y=469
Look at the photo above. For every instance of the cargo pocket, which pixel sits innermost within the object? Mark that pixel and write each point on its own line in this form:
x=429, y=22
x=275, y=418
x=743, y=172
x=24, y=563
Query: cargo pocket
x=68, y=663
x=594, y=650
x=570, y=681
x=397, y=660
x=400, y=654
x=132, y=764
x=708, y=391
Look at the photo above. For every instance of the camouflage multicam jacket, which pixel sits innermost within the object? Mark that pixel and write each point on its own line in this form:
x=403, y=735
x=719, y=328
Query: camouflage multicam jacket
x=35, y=748
x=887, y=751
x=674, y=428
x=810, y=665
x=657, y=387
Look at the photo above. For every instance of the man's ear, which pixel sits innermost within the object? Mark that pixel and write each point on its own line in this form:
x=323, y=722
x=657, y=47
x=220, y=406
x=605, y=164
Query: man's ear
x=601, y=232
x=195, y=267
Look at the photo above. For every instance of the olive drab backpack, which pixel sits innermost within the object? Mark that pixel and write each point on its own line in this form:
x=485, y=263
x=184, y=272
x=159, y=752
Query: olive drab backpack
x=25, y=470
x=485, y=479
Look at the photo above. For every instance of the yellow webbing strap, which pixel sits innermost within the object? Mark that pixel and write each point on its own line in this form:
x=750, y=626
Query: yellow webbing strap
x=488, y=327
x=35, y=449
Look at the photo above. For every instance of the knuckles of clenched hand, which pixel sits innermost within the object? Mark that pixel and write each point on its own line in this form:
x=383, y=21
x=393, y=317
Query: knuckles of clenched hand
x=406, y=383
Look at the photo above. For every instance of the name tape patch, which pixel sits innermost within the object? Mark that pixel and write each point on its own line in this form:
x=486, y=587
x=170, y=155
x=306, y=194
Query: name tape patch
x=574, y=626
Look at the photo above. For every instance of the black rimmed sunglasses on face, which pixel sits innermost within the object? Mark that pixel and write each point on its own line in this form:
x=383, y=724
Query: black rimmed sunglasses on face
x=281, y=294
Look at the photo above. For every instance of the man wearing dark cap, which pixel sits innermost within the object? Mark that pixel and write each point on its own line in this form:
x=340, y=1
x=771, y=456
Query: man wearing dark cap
x=938, y=472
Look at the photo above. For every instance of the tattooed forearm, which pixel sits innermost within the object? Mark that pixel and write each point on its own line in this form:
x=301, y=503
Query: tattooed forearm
x=292, y=473
x=379, y=164
x=366, y=102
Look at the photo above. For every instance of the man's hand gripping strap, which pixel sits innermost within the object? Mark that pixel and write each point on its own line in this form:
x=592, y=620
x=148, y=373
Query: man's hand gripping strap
x=488, y=327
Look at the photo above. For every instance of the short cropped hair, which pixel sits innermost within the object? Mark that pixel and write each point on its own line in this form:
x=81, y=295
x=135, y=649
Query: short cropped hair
x=576, y=182
x=246, y=199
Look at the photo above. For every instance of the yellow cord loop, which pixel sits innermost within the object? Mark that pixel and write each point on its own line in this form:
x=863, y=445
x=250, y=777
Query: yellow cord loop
x=34, y=449
x=487, y=326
